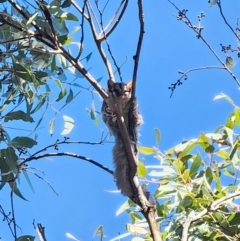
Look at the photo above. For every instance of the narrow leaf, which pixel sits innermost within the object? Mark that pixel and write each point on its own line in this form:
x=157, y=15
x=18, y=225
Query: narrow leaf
x=88, y=57
x=195, y=165
x=146, y=150
x=28, y=180
x=158, y=136
x=70, y=96
x=142, y=171
x=51, y=126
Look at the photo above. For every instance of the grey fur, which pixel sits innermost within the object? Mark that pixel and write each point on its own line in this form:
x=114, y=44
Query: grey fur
x=120, y=93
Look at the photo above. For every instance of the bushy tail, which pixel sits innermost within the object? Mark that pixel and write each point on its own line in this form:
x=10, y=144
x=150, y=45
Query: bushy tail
x=122, y=169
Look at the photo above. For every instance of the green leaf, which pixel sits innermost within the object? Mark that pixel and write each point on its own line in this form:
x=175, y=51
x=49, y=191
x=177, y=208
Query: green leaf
x=158, y=136
x=39, y=105
x=233, y=150
x=18, y=115
x=26, y=238
x=28, y=179
x=61, y=94
x=207, y=193
x=235, y=220
x=185, y=175
x=187, y=201
x=195, y=165
x=125, y=206
x=22, y=72
x=13, y=185
x=230, y=134
x=146, y=150
x=230, y=63
x=19, y=142
x=69, y=16
x=51, y=126
x=142, y=171
x=68, y=125
x=237, y=116
x=70, y=96
x=66, y=4
x=93, y=111
x=88, y=57
x=53, y=63
x=33, y=17
x=222, y=154
x=11, y=158
x=59, y=26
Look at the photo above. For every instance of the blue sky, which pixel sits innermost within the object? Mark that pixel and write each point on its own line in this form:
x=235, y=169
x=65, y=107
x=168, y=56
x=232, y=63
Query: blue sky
x=169, y=45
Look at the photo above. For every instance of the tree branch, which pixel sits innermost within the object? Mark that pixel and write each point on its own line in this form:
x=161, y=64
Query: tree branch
x=213, y=207
x=183, y=17
x=225, y=20
x=139, y=46
x=184, y=75
x=66, y=154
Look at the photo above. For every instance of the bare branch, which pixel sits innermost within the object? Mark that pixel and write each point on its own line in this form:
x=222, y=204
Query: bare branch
x=139, y=46
x=117, y=21
x=80, y=9
x=185, y=77
x=67, y=154
x=183, y=17
x=213, y=207
x=98, y=44
x=13, y=213
x=106, y=41
x=225, y=20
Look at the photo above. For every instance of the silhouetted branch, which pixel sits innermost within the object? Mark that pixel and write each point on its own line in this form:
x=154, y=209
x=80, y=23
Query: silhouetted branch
x=13, y=214
x=98, y=44
x=139, y=46
x=29, y=159
x=106, y=41
x=225, y=20
x=185, y=77
x=43, y=179
x=198, y=30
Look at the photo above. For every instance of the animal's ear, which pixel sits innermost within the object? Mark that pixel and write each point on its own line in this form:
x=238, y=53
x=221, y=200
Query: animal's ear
x=129, y=85
x=110, y=84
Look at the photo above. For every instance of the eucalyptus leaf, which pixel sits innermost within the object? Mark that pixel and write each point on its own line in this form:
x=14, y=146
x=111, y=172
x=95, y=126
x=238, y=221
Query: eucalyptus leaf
x=68, y=125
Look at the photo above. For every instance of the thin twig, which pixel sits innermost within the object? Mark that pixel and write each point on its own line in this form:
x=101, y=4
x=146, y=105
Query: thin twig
x=82, y=32
x=199, y=35
x=98, y=44
x=117, y=21
x=225, y=20
x=139, y=46
x=13, y=213
x=106, y=41
x=184, y=76
x=70, y=155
